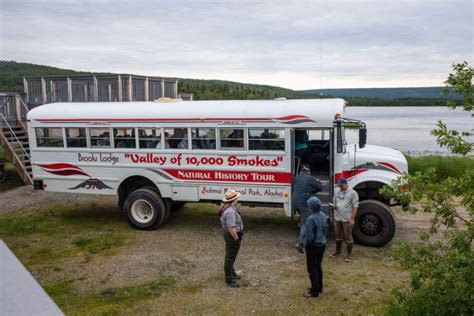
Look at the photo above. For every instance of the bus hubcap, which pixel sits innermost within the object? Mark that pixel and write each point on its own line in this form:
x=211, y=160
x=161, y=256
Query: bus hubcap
x=370, y=224
x=142, y=211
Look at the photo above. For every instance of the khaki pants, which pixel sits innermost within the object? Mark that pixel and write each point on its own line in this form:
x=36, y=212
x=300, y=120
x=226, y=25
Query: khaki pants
x=343, y=230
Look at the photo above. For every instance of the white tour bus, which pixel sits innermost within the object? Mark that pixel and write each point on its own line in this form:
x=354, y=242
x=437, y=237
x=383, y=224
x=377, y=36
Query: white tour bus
x=156, y=156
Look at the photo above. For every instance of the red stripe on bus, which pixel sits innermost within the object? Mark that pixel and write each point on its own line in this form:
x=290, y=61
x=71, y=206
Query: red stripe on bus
x=348, y=174
x=389, y=165
x=67, y=172
x=56, y=166
x=230, y=176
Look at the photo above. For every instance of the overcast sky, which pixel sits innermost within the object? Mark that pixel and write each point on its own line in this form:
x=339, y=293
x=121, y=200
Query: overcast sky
x=285, y=43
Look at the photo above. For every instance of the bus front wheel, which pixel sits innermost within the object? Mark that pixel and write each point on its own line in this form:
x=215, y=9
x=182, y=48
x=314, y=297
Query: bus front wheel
x=374, y=224
x=145, y=209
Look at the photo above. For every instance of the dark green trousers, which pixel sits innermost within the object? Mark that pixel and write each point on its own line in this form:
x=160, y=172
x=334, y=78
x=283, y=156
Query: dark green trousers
x=231, y=250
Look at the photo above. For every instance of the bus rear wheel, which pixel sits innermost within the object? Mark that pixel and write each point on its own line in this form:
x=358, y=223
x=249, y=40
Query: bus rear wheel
x=145, y=209
x=374, y=224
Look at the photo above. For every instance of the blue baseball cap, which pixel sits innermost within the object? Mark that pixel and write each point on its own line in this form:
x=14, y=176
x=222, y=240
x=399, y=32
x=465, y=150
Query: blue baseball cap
x=342, y=181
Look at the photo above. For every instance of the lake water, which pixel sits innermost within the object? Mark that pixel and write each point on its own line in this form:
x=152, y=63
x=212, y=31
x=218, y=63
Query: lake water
x=408, y=128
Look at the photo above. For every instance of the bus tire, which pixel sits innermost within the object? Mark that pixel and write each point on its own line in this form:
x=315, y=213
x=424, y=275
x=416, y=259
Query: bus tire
x=374, y=224
x=145, y=209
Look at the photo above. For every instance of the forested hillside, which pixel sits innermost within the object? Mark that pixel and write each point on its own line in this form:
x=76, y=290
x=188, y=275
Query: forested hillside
x=387, y=93
x=12, y=73
x=230, y=90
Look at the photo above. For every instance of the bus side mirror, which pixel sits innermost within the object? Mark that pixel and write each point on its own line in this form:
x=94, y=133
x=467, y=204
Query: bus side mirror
x=362, y=137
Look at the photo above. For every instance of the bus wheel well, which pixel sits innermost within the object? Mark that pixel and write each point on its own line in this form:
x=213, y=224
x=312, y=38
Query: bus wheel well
x=369, y=190
x=131, y=184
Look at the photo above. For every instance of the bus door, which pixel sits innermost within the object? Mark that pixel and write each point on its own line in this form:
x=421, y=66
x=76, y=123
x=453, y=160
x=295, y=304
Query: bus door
x=318, y=155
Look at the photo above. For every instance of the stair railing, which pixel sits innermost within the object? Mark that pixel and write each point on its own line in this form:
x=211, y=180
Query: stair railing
x=14, y=135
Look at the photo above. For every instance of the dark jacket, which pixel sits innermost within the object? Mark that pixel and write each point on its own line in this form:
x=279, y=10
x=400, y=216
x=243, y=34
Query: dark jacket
x=304, y=187
x=316, y=225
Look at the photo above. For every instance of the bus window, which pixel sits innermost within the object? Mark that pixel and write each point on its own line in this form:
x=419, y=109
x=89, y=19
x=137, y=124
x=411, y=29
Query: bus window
x=100, y=137
x=150, y=137
x=76, y=137
x=176, y=138
x=124, y=138
x=49, y=137
x=232, y=138
x=266, y=139
x=203, y=138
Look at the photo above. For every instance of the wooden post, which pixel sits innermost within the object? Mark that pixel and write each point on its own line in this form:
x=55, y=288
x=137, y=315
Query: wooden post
x=53, y=92
x=176, y=89
x=146, y=89
x=18, y=107
x=110, y=92
x=119, y=88
x=130, y=89
x=25, y=89
x=43, y=90
x=96, y=90
x=69, y=89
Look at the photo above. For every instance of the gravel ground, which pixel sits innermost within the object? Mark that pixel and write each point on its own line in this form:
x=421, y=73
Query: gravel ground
x=189, y=248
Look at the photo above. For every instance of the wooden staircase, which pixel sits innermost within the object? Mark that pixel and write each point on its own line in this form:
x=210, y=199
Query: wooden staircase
x=17, y=148
x=13, y=133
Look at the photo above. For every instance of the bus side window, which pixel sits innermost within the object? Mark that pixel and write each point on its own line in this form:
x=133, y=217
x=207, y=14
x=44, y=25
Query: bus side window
x=149, y=137
x=49, y=137
x=124, y=138
x=203, y=138
x=266, y=139
x=76, y=137
x=100, y=137
x=232, y=138
x=176, y=138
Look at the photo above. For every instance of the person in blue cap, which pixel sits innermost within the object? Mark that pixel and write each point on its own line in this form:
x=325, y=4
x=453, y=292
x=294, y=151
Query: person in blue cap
x=314, y=238
x=346, y=203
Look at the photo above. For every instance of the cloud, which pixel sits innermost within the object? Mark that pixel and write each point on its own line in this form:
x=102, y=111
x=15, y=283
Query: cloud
x=286, y=43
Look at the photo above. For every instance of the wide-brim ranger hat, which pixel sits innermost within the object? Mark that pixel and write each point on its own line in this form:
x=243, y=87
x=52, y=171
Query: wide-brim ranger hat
x=230, y=196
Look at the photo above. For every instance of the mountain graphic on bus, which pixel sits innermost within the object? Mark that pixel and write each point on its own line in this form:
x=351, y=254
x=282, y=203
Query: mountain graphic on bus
x=65, y=169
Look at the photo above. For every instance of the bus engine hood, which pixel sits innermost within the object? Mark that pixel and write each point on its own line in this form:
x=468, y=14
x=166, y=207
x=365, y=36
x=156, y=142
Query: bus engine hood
x=376, y=157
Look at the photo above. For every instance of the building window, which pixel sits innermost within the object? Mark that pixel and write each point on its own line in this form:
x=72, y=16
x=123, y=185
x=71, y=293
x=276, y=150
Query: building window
x=176, y=138
x=266, y=139
x=76, y=137
x=124, y=138
x=100, y=137
x=49, y=137
x=149, y=137
x=232, y=138
x=203, y=138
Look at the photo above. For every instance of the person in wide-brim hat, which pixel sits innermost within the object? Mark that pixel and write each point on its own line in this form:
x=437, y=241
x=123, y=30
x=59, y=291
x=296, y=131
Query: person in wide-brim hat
x=231, y=195
x=233, y=229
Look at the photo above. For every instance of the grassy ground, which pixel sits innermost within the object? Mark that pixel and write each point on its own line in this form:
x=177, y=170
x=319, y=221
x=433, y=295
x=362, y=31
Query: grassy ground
x=91, y=262
x=446, y=166
x=12, y=180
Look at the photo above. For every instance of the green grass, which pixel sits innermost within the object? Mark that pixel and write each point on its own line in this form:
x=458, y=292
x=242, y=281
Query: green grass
x=446, y=166
x=59, y=231
x=109, y=301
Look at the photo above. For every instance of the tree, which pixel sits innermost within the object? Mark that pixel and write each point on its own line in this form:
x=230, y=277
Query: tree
x=442, y=269
x=460, y=81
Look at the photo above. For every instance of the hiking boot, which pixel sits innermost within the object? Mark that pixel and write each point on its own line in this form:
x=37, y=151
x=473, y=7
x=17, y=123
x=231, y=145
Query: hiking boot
x=337, y=253
x=233, y=284
x=299, y=247
x=236, y=276
x=309, y=294
x=349, y=252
